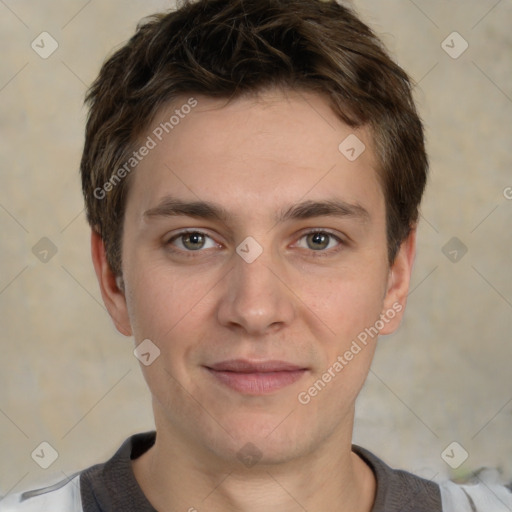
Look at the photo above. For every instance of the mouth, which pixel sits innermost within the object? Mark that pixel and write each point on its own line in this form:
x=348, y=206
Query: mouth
x=256, y=377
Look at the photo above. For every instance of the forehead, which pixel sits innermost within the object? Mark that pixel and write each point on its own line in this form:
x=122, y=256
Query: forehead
x=255, y=154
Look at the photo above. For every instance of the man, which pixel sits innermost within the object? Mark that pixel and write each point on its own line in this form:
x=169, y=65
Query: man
x=252, y=173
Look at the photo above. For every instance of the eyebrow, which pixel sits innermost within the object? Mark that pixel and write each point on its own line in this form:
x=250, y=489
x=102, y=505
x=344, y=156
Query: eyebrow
x=170, y=207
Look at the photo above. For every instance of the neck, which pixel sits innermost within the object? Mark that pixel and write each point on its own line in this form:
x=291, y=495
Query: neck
x=174, y=476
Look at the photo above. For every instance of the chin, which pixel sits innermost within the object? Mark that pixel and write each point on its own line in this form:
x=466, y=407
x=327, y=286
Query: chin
x=261, y=451
x=266, y=440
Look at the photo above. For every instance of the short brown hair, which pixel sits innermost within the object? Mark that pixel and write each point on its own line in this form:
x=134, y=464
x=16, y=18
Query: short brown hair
x=230, y=48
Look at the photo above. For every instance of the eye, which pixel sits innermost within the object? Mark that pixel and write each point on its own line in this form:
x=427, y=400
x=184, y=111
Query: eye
x=191, y=241
x=320, y=240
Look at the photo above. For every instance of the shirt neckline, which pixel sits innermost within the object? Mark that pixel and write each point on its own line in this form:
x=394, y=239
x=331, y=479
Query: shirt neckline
x=395, y=490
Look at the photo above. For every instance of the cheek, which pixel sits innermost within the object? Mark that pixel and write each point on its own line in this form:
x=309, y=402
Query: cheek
x=169, y=308
x=350, y=308
x=156, y=301
x=346, y=304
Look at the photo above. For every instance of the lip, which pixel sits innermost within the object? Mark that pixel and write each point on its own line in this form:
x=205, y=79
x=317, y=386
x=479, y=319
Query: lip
x=256, y=377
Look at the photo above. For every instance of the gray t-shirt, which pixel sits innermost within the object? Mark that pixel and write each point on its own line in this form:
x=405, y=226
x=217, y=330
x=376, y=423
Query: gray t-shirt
x=112, y=487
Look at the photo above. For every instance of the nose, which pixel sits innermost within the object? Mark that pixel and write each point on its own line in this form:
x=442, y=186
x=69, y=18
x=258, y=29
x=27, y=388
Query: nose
x=256, y=298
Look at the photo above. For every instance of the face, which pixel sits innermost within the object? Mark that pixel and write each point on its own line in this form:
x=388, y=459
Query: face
x=255, y=260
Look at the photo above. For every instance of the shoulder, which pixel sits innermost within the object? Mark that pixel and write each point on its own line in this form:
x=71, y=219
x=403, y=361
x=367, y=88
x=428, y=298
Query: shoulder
x=398, y=490
x=110, y=485
x=402, y=491
x=485, y=494
x=63, y=496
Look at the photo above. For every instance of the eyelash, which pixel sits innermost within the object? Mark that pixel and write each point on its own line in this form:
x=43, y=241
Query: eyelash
x=316, y=254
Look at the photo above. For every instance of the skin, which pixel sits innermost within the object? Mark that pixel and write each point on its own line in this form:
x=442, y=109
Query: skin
x=255, y=157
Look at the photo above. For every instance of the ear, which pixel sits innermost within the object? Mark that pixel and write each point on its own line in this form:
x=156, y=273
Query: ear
x=398, y=284
x=111, y=288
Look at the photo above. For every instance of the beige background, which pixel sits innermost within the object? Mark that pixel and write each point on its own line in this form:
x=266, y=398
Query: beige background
x=67, y=377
